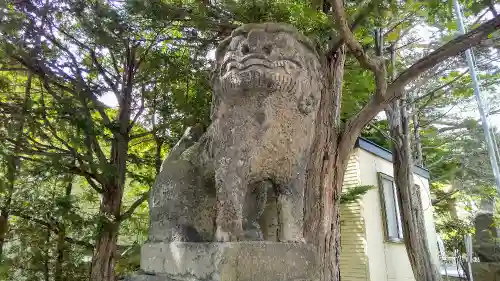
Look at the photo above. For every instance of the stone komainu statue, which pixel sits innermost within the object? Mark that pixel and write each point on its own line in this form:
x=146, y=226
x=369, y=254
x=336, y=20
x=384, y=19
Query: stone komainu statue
x=487, y=245
x=244, y=178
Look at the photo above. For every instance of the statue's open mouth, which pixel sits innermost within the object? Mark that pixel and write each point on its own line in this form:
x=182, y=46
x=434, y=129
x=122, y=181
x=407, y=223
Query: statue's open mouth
x=257, y=60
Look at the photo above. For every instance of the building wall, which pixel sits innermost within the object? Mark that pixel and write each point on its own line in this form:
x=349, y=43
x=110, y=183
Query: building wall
x=353, y=257
x=388, y=261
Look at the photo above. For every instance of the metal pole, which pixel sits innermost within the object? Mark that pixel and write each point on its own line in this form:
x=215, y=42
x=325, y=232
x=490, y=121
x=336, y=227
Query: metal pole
x=442, y=254
x=468, y=249
x=477, y=94
x=495, y=143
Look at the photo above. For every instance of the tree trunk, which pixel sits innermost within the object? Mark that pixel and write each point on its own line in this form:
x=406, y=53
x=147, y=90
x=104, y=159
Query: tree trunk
x=60, y=249
x=158, y=158
x=452, y=208
x=104, y=258
x=419, y=156
x=412, y=214
x=13, y=164
x=46, y=262
x=326, y=174
x=410, y=202
x=61, y=234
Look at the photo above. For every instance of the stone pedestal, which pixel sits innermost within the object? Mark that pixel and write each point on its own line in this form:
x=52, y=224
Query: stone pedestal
x=239, y=261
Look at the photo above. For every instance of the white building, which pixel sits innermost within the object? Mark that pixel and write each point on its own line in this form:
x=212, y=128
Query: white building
x=372, y=240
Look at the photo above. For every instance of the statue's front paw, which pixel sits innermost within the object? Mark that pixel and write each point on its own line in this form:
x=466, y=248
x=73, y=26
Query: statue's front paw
x=301, y=240
x=221, y=236
x=293, y=239
x=252, y=232
x=226, y=236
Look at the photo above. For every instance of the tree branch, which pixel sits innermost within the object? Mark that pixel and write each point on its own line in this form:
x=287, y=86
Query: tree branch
x=146, y=51
x=134, y=206
x=407, y=44
x=376, y=65
x=88, y=92
x=398, y=24
x=158, y=128
x=432, y=93
x=141, y=107
x=77, y=170
x=54, y=133
x=13, y=69
x=88, y=176
x=349, y=39
x=92, y=139
x=115, y=63
x=450, y=49
x=79, y=243
x=103, y=73
x=357, y=21
x=54, y=229
x=454, y=47
x=417, y=84
x=491, y=7
x=90, y=181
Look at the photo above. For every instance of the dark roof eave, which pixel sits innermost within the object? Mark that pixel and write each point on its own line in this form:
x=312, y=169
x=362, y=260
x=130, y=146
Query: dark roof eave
x=386, y=154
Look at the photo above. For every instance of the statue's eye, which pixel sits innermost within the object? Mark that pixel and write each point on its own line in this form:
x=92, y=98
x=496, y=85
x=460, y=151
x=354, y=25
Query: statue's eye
x=245, y=49
x=235, y=43
x=281, y=41
x=268, y=48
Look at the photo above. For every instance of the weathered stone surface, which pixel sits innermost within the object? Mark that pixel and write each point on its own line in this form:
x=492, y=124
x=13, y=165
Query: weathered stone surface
x=265, y=101
x=243, y=179
x=241, y=261
x=147, y=277
x=482, y=271
x=486, y=244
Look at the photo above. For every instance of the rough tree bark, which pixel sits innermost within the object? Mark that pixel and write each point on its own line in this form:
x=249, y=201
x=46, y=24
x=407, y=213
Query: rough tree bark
x=61, y=245
x=326, y=173
x=412, y=213
x=60, y=254
x=158, y=159
x=13, y=164
x=156, y=136
x=419, y=154
x=46, y=256
x=104, y=258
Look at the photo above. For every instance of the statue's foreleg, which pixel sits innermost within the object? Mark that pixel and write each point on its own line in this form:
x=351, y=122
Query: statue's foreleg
x=254, y=208
x=291, y=211
x=231, y=193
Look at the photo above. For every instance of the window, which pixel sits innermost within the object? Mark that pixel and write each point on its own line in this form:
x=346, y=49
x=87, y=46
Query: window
x=390, y=208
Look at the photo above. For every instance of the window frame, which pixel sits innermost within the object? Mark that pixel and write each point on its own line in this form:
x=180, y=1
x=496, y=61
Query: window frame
x=399, y=221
